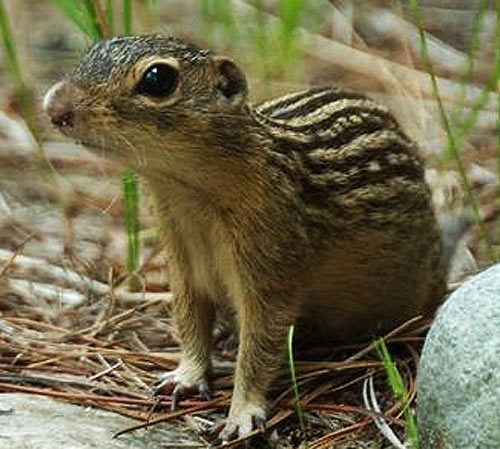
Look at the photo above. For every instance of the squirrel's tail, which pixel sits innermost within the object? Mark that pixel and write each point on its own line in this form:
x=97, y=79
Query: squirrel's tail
x=453, y=228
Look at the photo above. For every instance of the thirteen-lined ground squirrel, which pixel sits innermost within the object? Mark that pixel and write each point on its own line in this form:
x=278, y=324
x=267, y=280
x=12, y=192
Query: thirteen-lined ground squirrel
x=309, y=206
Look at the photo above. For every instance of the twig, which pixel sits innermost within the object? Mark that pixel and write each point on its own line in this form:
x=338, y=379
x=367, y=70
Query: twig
x=49, y=292
x=447, y=57
x=370, y=400
x=101, y=19
x=44, y=380
x=28, y=265
x=8, y=387
x=327, y=440
x=107, y=370
x=169, y=416
x=387, y=336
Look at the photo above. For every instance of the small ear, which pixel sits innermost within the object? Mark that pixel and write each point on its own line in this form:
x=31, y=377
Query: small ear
x=231, y=83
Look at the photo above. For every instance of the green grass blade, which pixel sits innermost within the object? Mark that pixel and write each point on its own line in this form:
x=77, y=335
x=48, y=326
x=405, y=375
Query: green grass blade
x=10, y=49
x=127, y=17
x=24, y=95
x=291, y=364
x=109, y=12
x=75, y=11
x=452, y=141
x=291, y=11
x=399, y=390
x=129, y=186
x=259, y=30
x=259, y=37
x=97, y=14
x=472, y=48
x=470, y=120
x=26, y=102
x=89, y=7
x=206, y=19
x=218, y=16
x=204, y=7
x=151, y=13
x=290, y=14
x=224, y=11
x=131, y=214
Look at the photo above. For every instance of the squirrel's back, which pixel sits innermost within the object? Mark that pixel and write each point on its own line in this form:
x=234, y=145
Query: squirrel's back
x=348, y=154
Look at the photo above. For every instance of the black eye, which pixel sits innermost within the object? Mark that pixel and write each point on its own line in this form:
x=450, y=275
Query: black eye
x=159, y=80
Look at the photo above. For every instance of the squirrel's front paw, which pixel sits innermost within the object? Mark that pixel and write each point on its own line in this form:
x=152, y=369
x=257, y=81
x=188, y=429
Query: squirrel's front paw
x=182, y=383
x=241, y=421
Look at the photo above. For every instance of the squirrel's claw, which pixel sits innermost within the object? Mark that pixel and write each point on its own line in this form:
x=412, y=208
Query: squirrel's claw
x=173, y=383
x=240, y=425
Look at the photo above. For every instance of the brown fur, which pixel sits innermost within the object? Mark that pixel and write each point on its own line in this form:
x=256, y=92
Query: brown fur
x=317, y=210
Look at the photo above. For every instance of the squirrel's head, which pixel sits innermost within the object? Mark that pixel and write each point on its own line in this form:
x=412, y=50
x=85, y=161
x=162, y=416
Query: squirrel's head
x=145, y=98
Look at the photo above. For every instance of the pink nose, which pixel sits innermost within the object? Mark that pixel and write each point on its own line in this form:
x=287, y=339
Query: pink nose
x=58, y=104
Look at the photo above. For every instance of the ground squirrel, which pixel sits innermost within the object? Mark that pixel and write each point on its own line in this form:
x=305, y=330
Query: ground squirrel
x=308, y=208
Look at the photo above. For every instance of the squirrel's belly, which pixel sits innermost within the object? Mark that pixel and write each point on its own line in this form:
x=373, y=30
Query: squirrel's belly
x=366, y=288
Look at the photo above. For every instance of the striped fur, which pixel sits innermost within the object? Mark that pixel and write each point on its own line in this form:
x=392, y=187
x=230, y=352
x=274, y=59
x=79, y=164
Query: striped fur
x=345, y=152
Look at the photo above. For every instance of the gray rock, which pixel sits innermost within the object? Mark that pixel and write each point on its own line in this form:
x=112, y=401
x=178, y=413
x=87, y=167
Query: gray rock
x=459, y=375
x=37, y=422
